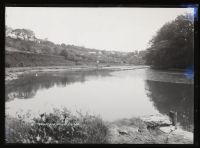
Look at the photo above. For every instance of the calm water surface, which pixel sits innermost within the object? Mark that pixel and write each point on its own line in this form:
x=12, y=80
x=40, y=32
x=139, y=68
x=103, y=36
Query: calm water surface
x=111, y=94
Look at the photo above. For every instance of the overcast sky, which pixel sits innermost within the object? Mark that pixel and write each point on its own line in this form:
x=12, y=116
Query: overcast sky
x=122, y=29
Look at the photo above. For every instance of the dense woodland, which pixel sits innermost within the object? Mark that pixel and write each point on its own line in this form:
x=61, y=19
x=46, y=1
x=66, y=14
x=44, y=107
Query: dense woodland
x=173, y=45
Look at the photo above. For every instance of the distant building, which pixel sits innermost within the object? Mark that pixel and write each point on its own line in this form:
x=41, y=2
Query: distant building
x=99, y=52
x=92, y=52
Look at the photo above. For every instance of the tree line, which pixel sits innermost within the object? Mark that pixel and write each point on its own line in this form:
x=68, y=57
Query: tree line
x=26, y=41
x=173, y=45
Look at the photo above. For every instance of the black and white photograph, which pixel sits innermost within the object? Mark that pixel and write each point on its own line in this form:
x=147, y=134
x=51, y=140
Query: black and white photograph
x=99, y=75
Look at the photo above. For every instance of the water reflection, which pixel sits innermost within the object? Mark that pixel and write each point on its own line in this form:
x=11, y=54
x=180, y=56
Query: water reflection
x=173, y=96
x=113, y=95
x=27, y=85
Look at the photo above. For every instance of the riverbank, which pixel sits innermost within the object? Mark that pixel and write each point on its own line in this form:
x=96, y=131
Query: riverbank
x=15, y=72
x=63, y=127
x=140, y=131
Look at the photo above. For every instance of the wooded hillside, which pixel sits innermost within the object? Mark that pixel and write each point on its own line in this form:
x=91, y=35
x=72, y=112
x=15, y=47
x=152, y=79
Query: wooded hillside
x=24, y=40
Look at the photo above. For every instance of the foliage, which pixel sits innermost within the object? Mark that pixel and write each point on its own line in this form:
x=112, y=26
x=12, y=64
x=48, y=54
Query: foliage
x=21, y=64
x=24, y=33
x=34, y=59
x=68, y=55
x=64, y=53
x=58, y=127
x=173, y=46
x=26, y=41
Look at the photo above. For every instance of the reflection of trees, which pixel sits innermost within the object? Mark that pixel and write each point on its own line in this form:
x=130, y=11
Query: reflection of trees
x=27, y=86
x=172, y=96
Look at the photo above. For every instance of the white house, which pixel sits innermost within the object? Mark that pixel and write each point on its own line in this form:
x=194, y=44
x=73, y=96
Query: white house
x=92, y=52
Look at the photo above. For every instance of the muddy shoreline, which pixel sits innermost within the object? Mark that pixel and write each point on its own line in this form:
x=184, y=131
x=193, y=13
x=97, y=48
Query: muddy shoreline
x=14, y=72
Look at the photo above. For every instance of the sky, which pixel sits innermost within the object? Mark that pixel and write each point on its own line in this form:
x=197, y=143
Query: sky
x=119, y=29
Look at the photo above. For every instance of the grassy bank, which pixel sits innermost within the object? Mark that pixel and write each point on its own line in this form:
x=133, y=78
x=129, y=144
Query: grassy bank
x=57, y=127
x=61, y=126
x=23, y=59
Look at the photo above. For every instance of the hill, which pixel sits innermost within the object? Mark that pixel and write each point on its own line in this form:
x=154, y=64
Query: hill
x=24, y=49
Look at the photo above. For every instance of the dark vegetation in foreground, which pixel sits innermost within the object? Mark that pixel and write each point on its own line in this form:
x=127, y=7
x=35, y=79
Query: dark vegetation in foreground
x=57, y=127
x=63, y=127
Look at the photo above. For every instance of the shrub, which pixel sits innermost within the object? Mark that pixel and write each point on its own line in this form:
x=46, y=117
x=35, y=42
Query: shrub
x=21, y=64
x=58, y=127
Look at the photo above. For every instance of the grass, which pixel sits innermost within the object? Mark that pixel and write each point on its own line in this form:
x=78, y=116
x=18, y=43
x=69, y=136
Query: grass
x=62, y=127
x=58, y=127
x=18, y=59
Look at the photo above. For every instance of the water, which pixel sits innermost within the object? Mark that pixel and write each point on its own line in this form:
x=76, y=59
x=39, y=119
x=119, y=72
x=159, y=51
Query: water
x=110, y=94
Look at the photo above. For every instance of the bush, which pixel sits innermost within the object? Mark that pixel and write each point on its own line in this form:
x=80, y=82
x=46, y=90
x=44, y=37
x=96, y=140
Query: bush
x=58, y=127
x=21, y=64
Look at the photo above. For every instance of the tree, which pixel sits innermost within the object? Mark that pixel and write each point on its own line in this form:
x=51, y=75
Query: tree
x=24, y=33
x=29, y=33
x=136, y=52
x=63, y=45
x=173, y=45
x=64, y=53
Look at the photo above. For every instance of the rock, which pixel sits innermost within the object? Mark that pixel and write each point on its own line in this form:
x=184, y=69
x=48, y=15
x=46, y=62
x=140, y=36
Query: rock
x=167, y=129
x=180, y=136
x=125, y=130
x=156, y=120
x=165, y=133
x=122, y=132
